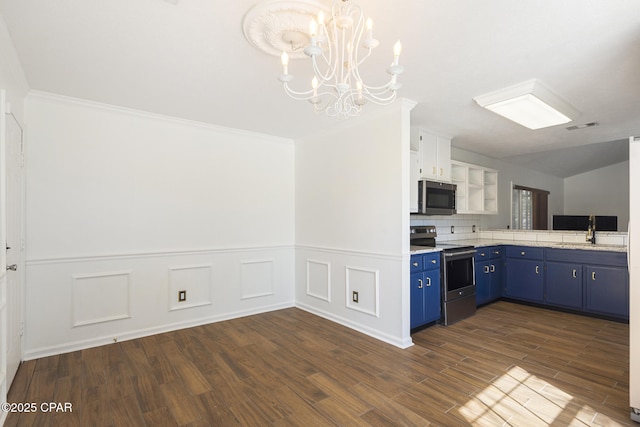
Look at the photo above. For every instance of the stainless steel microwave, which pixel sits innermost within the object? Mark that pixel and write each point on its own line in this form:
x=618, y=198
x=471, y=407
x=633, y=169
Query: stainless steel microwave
x=436, y=198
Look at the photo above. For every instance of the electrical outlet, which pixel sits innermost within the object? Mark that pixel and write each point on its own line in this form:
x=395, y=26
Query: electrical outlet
x=473, y=228
x=182, y=296
x=453, y=229
x=354, y=296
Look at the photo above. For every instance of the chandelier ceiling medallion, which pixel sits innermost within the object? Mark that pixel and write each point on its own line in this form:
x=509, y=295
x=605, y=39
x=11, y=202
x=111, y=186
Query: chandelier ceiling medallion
x=337, y=41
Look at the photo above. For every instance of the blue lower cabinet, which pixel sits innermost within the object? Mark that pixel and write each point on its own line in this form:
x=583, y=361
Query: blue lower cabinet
x=594, y=282
x=525, y=279
x=607, y=290
x=564, y=285
x=425, y=289
x=489, y=266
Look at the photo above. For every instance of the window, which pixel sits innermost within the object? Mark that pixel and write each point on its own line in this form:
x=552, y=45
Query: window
x=529, y=208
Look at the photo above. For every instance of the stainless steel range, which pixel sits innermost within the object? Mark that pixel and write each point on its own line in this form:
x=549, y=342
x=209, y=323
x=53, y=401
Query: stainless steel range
x=457, y=276
x=458, y=283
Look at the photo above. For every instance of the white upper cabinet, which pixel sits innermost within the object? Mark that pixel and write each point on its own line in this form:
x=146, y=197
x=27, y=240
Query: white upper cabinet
x=434, y=155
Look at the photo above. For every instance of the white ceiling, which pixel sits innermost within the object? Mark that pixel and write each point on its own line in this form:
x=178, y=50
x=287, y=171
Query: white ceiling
x=189, y=59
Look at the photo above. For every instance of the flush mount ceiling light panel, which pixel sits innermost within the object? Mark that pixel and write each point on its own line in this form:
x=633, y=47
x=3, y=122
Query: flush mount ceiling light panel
x=335, y=40
x=530, y=104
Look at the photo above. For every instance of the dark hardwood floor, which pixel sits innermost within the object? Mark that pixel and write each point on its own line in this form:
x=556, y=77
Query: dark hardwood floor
x=507, y=365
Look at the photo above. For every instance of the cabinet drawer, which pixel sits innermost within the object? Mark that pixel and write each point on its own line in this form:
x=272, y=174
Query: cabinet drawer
x=425, y=261
x=416, y=263
x=525, y=252
x=431, y=261
x=488, y=252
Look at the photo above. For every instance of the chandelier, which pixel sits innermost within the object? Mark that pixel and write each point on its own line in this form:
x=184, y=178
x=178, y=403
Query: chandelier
x=337, y=44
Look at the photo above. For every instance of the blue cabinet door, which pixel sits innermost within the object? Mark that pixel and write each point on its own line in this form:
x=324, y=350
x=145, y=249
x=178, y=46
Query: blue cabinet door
x=496, y=268
x=525, y=279
x=417, y=300
x=607, y=290
x=425, y=289
x=564, y=284
x=431, y=286
x=483, y=282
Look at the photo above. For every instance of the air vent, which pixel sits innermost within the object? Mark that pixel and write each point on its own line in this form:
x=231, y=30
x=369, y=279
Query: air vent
x=585, y=125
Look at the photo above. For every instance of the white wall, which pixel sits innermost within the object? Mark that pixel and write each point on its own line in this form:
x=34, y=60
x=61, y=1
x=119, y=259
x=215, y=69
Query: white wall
x=352, y=223
x=603, y=191
x=124, y=209
x=12, y=78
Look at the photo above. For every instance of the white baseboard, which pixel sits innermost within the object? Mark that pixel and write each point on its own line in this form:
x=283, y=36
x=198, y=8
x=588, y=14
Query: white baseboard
x=389, y=339
x=105, y=340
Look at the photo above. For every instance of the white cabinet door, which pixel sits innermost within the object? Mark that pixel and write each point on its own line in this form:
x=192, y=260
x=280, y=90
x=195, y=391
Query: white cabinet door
x=443, y=154
x=434, y=156
x=428, y=156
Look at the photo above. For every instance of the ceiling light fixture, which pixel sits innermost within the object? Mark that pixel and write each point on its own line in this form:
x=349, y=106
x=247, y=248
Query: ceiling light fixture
x=338, y=41
x=530, y=104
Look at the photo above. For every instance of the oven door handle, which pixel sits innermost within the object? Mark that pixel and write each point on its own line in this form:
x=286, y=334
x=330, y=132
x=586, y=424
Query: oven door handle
x=457, y=254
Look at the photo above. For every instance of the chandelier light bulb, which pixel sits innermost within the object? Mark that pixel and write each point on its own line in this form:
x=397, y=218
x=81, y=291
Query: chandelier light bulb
x=397, y=49
x=313, y=28
x=285, y=62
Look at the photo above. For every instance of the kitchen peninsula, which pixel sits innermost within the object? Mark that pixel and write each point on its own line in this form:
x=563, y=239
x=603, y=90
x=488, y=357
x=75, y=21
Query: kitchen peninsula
x=551, y=269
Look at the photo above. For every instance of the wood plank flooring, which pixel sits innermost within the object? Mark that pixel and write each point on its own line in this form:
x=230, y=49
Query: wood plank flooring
x=507, y=365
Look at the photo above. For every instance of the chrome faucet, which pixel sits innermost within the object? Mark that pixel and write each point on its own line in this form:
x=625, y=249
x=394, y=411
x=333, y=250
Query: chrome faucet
x=591, y=231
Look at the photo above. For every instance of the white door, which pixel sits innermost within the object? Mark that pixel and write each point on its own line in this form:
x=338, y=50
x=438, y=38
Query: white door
x=12, y=207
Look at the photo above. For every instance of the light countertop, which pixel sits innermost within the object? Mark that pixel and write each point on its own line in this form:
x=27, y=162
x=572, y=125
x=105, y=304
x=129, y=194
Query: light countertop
x=478, y=243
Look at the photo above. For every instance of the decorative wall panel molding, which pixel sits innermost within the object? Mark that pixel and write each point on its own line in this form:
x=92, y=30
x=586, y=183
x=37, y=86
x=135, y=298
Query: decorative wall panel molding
x=366, y=284
x=256, y=278
x=319, y=279
x=100, y=297
x=193, y=283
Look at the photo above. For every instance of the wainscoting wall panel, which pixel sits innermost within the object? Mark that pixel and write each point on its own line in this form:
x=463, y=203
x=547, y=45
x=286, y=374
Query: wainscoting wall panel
x=365, y=284
x=193, y=282
x=256, y=278
x=82, y=302
x=375, y=276
x=319, y=279
x=101, y=297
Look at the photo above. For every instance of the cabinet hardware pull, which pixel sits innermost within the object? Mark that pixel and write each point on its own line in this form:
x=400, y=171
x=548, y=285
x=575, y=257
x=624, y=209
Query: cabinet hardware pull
x=415, y=264
x=593, y=275
x=493, y=268
x=433, y=261
x=419, y=283
x=428, y=281
x=522, y=253
x=441, y=171
x=486, y=268
x=574, y=273
x=434, y=170
x=537, y=269
x=496, y=252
